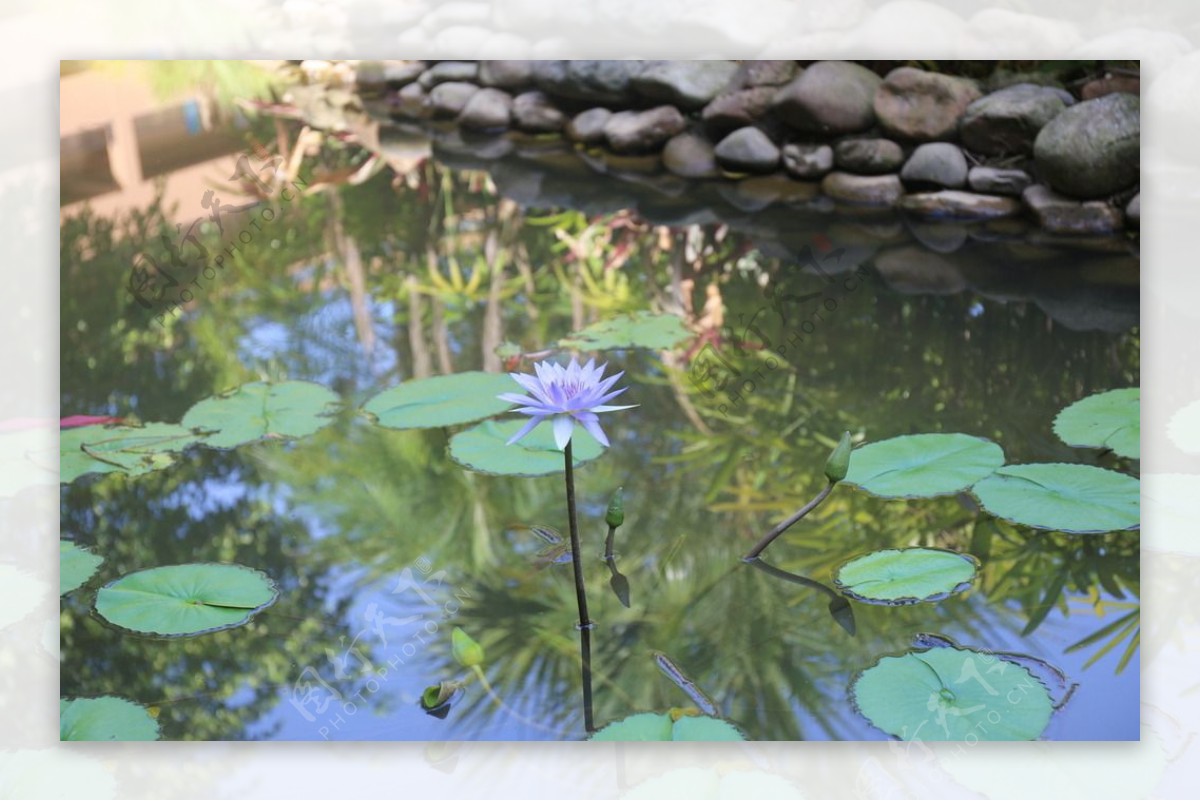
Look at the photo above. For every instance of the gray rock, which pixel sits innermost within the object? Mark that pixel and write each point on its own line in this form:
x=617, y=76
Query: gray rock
x=747, y=150
x=1092, y=149
x=912, y=270
x=690, y=156
x=936, y=164
x=923, y=106
x=1133, y=212
x=486, y=109
x=402, y=73
x=1009, y=120
x=687, y=84
x=733, y=110
x=533, y=112
x=447, y=71
x=940, y=236
x=412, y=101
x=956, y=205
x=506, y=74
x=588, y=126
x=995, y=181
x=449, y=99
x=807, y=161
x=639, y=131
x=1062, y=215
x=591, y=81
x=867, y=190
x=868, y=156
x=830, y=97
x=765, y=73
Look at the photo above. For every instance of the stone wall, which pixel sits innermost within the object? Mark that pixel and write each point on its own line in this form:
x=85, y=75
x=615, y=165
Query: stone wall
x=932, y=145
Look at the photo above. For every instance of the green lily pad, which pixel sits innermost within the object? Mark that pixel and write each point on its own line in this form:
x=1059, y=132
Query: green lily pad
x=106, y=718
x=482, y=448
x=897, y=577
x=637, y=330
x=923, y=465
x=1074, y=498
x=185, y=599
x=444, y=400
x=75, y=566
x=126, y=449
x=254, y=411
x=652, y=727
x=1106, y=420
x=952, y=694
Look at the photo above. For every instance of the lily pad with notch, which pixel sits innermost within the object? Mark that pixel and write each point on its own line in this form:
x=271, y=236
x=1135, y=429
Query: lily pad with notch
x=126, y=449
x=952, y=694
x=75, y=566
x=483, y=448
x=1105, y=420
x=642, y=329
x=183, y=600
x=903, y=576
x=1072, y=498
x=105, y=718
x=443, y=400
x=259, y=410
x=654, y=727
x=923, y=465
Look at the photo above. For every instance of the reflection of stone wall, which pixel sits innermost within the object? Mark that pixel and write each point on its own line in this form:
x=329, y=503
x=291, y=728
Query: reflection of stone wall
x=935, y=146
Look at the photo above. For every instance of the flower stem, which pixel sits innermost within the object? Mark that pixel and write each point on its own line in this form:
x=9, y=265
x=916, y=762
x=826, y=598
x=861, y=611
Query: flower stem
x=608, y=544
x=585, y=623
x=786, y=524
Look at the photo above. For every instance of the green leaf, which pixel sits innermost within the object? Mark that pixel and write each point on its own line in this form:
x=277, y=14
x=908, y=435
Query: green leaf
x=1106, y=420
x=444, y=400
x=637, y=330
x=946, y=694
x=923, y=465
x=482, y=448
x=127, y=449
x=467, y=652
x=106, y=718
x=653, y=727
x=75, y=566
x=185, y=599
x=906, y=576
x=254, y=411
x=1074, y=498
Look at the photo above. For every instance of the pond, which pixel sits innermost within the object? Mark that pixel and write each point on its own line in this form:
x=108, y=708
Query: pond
x=811, y=321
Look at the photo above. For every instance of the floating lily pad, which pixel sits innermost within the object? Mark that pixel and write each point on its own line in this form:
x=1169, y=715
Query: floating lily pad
x=649, y=726
x=254, y=411
x=637, y=330
x=1075, y=498
x=75, y=566
x=1106, y=420
x=185, y=599
x=897, y=577
x=956, y=694
x=923, y=465
x=127, y=449
x=482, y=448
x=107, y=718
x=444, y=400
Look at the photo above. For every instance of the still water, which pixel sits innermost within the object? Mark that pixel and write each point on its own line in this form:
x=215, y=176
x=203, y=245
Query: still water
x=380, y=544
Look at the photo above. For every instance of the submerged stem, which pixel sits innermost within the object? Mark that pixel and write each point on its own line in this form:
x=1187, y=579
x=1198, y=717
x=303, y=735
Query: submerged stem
x=585, y=623
x=786, y=524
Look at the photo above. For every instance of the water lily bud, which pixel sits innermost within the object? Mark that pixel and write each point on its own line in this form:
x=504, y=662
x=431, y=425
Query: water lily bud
x=467, y=652
x=615, y=515
x=838, y=463
x=436, y=695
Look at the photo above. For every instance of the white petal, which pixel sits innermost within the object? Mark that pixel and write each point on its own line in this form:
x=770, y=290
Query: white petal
x=593, y=427
x=612, y=408
x=563, y=426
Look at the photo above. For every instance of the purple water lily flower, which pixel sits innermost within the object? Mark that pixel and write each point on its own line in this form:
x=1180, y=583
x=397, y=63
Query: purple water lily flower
x=566, y=395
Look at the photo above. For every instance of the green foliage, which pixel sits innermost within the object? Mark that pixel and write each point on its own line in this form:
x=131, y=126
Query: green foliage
x=906, y=575
x=75, y=566
x=1106, y=420
x=484, y=449
x=1074, y=498
x=648, y=726
x=254, y=411
x=107, y=718
x=443, y=400
x=636, y=330
x=127, y=449
x=185, y=599
x=923, y=465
